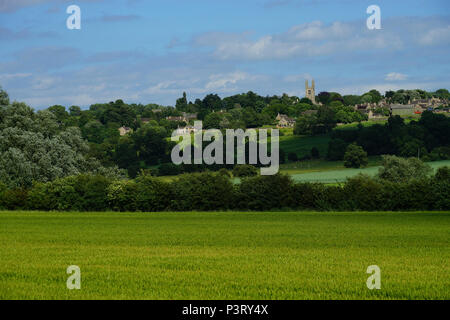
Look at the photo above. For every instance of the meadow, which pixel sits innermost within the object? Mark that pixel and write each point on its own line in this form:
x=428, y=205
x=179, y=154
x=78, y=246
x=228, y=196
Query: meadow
x=333, y=172
x=224, y=255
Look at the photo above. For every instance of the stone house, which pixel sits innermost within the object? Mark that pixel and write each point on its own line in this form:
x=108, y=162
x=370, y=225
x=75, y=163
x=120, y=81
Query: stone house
x=284, y=121
x=124, y=131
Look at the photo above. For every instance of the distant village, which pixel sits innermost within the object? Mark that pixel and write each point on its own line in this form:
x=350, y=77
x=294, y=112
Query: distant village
x=374, y=111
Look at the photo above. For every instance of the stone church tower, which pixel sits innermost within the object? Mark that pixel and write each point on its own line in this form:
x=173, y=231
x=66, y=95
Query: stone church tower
x=310, y=91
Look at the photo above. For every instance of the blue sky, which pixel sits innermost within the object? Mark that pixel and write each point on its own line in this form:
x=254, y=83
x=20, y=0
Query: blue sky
x=151, y=51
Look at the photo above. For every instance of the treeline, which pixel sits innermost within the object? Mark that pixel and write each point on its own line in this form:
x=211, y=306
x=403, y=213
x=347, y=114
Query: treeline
x=428, y=138
x=216, y=191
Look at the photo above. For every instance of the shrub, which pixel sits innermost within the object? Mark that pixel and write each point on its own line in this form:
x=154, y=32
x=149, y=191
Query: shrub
x=266, y=192
x=13, y=199
x=224, y=172
x=363, y=193
x=122, y=195
x=355, y=157
x=306, y=194
x=244, y=170
x=169, y=169
x=202, y=191
x=152, y=194
x=442, y=174
x=83, y=192
x=3, y=188
x=92, y=192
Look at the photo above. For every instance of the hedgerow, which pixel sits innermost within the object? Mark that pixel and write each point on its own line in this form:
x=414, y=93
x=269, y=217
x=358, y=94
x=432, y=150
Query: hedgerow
x=211, y=191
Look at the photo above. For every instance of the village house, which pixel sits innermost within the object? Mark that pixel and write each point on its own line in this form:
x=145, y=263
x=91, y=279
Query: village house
x=145, y=120
x=284, y=121
x=186, y=117
x=124, y=131
x=185, y=130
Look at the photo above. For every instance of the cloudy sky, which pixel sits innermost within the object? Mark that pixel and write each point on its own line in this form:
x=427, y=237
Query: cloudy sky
x=151, y=51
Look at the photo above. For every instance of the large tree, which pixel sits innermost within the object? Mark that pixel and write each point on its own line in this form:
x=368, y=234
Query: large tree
x=36, y=147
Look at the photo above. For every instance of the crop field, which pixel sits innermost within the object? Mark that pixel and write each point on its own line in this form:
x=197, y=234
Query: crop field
x=229, y=255
x=325, y=175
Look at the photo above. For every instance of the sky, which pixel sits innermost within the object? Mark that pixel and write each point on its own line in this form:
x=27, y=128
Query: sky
x=151, y=51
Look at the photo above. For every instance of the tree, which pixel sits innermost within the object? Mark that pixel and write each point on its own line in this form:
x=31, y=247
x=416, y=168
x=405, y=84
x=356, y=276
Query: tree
x=351, y=100
x=305, y=124
x=442, y=93
x=336, y=149
x=182, y=103
x=396, y=169
x=355, y=157
x=212, y=121
x=326, y=120
x=75, y=111
x=324, y=97
x=150, y=144
x=244, y=170
x=60, y=113
x=4, y=98
x=292, y=156
x=306, y=100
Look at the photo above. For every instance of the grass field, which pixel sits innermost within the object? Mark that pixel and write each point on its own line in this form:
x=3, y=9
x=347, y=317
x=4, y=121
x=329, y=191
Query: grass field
x=230, y=255
x=302, y=145
x=327, y=173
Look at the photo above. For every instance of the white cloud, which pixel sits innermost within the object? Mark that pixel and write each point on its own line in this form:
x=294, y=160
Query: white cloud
x=317, y=39
x=222, y=81
x=436, y=36
x=395, y=76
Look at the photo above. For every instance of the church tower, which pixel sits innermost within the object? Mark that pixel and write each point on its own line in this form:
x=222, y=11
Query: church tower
x=310, y=91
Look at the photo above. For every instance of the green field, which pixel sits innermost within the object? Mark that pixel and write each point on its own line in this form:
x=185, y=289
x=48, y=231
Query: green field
x=277, y=255
x=302, y=145
x=327, y=173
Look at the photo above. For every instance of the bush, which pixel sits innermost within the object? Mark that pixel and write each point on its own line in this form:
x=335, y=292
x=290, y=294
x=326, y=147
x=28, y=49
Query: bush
x=202, y=191
x=244, y=170
x=13, y=199
x=266, y=193
x=363, y=193
x=224, y=172
x=3, y=188
x=442, y=174
x=355, y=157
x=169, y=169
x=152, y=194
x=122, y=195
x=306, y=195
x=83, y=193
